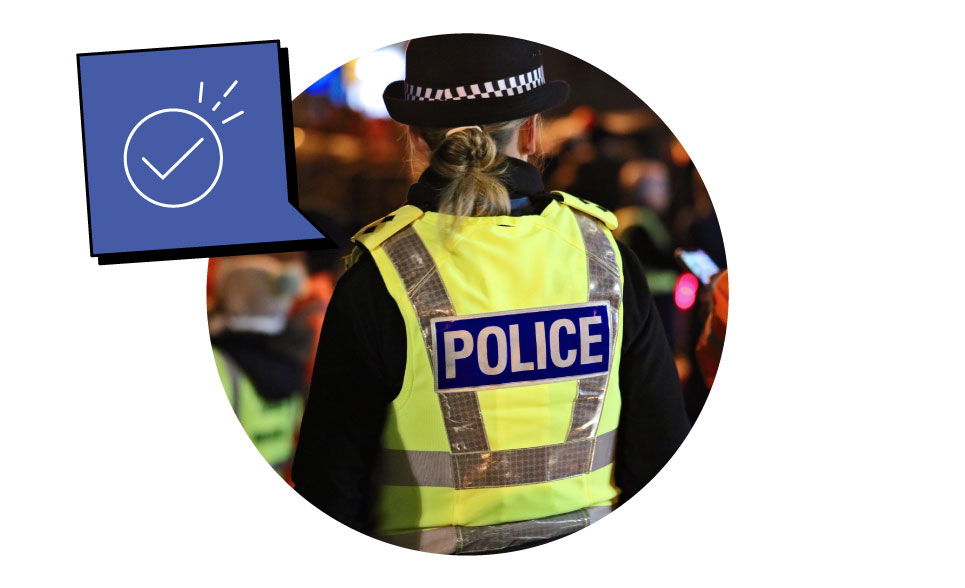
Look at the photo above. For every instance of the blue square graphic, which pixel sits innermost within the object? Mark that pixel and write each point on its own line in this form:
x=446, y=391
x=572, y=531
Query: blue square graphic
x=185, y=148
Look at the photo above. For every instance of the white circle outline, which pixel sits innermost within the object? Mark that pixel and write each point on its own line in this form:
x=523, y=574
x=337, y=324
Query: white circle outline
x=217, y=140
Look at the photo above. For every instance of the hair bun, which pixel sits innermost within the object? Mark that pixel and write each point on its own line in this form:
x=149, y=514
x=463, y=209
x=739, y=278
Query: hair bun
x=469, y=148
x=471, y=159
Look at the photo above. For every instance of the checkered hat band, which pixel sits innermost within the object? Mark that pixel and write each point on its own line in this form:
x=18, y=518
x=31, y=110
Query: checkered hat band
x=511, y=86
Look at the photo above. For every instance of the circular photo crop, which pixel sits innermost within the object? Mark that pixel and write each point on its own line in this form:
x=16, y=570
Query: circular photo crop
x=524, y=317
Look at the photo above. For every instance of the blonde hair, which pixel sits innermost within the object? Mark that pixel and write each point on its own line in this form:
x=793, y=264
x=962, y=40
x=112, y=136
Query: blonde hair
x=473, y=162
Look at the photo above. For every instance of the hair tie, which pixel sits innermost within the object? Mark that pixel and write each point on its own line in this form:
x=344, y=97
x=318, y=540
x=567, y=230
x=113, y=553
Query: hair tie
x=457, y=129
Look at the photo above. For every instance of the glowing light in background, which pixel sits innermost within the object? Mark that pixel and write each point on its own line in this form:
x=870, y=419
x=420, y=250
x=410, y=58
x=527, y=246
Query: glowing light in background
x=685, y=292
x=370, y=74
x=329, y=85
x=299, y=136
x=678, y=154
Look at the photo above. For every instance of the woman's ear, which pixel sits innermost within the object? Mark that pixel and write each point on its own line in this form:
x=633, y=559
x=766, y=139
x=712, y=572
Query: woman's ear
x=527, y=137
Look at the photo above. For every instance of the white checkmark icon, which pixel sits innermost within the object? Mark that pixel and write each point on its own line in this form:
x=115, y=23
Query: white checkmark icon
x=176, y=163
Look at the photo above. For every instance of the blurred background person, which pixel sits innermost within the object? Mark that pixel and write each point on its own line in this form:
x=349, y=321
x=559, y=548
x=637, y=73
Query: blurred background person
x=259, y=351
x=643, y=228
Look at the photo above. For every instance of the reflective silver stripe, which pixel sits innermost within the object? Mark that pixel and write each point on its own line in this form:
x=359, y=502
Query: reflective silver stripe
x=464, y=422
x=421, y=279
x=603, y=278
x=494, y=538
x=515, y=467
x=492, y=469
x=400, y=467
x=430, y=299
x=604, y=450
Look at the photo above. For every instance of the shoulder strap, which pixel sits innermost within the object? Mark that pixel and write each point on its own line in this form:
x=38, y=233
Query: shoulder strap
x=601, y=214
x=375, y=233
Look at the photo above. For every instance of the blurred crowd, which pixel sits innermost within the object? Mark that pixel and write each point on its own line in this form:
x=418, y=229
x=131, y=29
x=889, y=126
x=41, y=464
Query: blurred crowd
x=266, y=311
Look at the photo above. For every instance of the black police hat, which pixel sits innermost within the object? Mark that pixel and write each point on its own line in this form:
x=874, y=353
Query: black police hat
x=471, y=79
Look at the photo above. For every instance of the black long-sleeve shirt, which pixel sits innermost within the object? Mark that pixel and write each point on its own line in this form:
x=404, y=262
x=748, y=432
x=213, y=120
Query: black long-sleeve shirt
x=361, y=363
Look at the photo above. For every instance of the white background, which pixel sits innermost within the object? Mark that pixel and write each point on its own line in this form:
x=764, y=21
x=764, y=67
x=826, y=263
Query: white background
x=830, y=452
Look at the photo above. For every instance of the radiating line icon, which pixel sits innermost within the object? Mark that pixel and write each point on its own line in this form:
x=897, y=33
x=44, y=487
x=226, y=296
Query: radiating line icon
x=207, y=131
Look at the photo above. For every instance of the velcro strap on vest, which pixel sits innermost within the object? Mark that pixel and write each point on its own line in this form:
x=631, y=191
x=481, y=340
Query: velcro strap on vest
x=593, y=209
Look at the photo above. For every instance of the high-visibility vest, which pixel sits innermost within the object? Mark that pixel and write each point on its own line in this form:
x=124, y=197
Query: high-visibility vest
x=661, y=281
x=504, y=430
x=270, y=424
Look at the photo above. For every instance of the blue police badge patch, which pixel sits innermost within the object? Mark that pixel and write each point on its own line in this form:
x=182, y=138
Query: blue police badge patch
x=521, y=347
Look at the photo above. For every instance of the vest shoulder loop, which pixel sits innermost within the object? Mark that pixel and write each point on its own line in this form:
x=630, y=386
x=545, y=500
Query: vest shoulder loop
x=601, y=214
x=353, y=257
x=375, y=233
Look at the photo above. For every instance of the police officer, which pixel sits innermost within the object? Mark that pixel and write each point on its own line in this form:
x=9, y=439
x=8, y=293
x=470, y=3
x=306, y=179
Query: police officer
x=491, y=374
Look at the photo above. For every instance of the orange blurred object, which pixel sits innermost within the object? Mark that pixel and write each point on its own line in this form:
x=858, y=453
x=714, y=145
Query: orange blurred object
x=678, y=154
x=711, y=341
x=310, y=308
x=209, y=286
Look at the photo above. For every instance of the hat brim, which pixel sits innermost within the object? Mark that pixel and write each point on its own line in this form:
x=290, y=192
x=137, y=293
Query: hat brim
x=478, y=111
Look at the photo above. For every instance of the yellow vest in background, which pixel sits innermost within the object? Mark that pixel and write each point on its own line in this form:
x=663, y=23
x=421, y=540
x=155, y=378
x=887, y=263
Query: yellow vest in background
x=504, y=430
x=660, y=281
x=270, y=424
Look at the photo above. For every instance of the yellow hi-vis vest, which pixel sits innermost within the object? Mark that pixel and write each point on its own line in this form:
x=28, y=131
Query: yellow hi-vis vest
x=270, y=424
x=505, y=427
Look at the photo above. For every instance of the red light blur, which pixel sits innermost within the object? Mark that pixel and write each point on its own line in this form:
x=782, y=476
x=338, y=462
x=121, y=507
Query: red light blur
x=685, y=292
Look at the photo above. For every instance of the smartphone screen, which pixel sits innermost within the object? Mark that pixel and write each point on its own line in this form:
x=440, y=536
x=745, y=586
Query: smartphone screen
x=698, y=263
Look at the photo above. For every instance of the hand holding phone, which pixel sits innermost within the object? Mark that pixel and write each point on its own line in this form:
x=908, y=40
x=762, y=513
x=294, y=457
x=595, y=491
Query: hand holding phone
x=697, y=262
